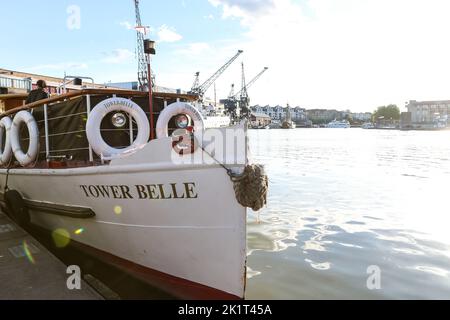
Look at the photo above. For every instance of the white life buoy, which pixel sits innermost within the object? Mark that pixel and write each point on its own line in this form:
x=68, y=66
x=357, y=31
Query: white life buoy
x=5, y=127
x=107, y=106
x=179, y=108
x=30, y=156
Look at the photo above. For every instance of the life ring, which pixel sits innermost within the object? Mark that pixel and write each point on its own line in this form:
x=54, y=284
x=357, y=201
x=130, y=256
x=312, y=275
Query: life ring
x=107, y=106
x=5, y=154
x=178, y=108
x=30, y=156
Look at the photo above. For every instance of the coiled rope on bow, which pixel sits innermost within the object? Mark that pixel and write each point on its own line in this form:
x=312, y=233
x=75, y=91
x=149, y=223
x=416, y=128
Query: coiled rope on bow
x=250, y=187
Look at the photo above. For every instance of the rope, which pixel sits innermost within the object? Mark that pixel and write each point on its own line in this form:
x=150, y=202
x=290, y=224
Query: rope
x=250, y=187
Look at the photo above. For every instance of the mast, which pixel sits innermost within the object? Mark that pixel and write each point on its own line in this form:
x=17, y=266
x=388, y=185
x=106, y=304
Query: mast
x=143, y=76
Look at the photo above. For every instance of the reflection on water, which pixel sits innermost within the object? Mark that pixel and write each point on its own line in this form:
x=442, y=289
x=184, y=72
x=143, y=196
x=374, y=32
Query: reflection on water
x=343, y=200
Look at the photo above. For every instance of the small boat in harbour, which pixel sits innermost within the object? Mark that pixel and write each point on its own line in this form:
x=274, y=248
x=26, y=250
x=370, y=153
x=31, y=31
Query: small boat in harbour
x=150, y=191
x=339, y=124
x=368, y=125
x=287, y=122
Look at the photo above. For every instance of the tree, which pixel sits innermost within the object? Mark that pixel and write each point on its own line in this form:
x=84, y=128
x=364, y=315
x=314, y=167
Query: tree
x=348, y=117
x=387, y=112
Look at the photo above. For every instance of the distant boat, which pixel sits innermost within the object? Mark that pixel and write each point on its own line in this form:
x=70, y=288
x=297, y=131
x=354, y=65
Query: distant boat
x=275, y=124
x=339, y=124
x=287, y=122
x=368, y=125
x=267, y=126
x=288, y=125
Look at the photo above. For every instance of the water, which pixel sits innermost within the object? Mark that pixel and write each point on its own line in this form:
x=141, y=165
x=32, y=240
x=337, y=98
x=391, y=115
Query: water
x=342, y=200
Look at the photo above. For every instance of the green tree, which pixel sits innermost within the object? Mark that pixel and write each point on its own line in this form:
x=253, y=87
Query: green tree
x=349, y=118
x=387, y=112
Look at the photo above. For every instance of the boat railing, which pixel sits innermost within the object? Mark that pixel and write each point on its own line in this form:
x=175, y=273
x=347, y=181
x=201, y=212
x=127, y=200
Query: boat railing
x=77, y=149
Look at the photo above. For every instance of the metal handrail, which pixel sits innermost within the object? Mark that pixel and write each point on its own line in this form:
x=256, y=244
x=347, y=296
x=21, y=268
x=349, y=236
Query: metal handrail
x=84, y=92
x=87, y=93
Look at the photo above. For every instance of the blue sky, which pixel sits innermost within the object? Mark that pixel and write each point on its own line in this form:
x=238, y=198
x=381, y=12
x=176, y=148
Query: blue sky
x=346, y=54
x=39, y=39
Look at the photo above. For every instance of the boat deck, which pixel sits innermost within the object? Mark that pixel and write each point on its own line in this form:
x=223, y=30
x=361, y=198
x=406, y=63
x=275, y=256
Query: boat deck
x=28, y=271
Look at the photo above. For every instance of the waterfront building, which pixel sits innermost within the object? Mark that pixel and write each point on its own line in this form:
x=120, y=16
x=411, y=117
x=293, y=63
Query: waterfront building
x=18, y=82
x=429, y=112
x=259, y=120
x=278, y=112
x=15, y=84
x=362, y=116
x=131, y=85
x=323, y=115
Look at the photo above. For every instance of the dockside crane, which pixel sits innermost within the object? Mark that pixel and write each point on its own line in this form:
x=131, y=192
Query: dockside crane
x=143, y=76
x=200, y=90
x=241, y=98
x=251, y=83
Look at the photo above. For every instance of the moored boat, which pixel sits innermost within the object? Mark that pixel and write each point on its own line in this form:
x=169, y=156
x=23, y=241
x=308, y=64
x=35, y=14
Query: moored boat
x=368, y=125
x=339, y=124
x=287, y=122
x=156, y=198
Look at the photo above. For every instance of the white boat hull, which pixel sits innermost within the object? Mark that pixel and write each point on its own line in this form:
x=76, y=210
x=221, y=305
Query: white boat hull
x=181, y=220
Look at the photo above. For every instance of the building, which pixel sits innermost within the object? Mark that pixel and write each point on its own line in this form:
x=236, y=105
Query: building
x=429, y=113
x=14, y=85
x=323, y=115
x=17, y=82
x=278, y=113
x=406, y=120
x=259, y=120
x=362, y=116
x=131, y=85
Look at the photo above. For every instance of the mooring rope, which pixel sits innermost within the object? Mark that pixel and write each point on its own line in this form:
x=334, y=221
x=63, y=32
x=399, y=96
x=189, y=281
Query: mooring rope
x=250, y=187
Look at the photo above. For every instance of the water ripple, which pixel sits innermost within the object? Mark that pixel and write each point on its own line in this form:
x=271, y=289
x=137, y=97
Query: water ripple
x=343, y=200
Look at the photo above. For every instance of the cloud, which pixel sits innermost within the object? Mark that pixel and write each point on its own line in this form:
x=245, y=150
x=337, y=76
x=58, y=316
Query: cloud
x=168, y=34
x=194, y=49
x=244, y=9
x=127, y=25
x=354, y=54
x=117, y=56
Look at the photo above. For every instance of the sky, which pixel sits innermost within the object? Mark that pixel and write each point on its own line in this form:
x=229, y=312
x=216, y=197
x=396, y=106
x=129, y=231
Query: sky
x=336, y=54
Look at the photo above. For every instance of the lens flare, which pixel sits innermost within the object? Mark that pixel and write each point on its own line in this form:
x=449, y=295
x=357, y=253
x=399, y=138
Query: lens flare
x=27, y=251
x=79, y=231
x=118, y=210
x=61, y=238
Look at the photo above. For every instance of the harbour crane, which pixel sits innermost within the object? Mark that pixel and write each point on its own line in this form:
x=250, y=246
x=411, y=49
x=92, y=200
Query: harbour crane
x=143, y=76
x=200, y=90
x=241, y=97
x=252, y=82
x=231, y=95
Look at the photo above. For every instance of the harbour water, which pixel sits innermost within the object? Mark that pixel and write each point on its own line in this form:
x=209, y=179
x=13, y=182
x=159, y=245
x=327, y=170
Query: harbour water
x=343, y=201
